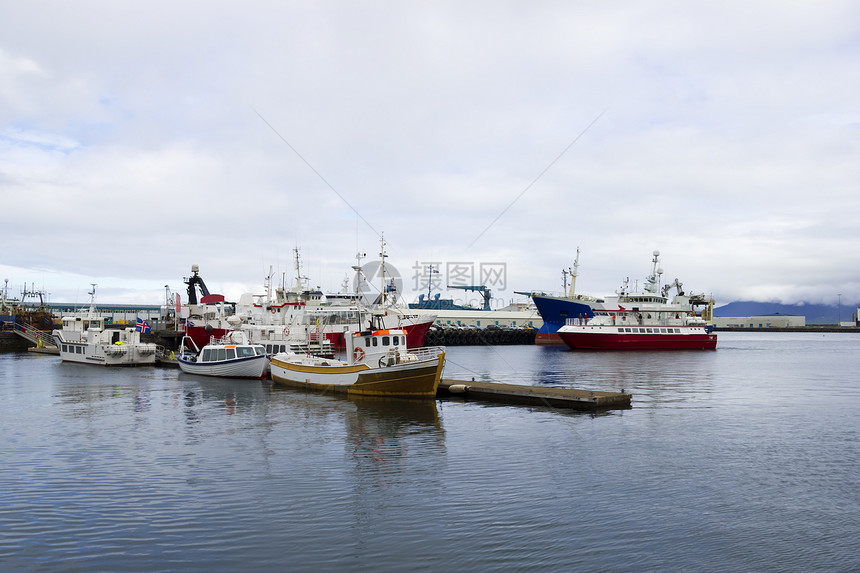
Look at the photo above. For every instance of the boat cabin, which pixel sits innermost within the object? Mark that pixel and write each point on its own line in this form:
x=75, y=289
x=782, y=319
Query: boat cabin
x=230, y=352
x=376, y=347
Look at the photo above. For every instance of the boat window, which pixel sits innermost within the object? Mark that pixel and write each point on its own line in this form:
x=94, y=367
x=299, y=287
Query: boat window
x=220, y=354
x=649, y=331
x=79, y=349
x=230, y=353
x=395, y=340
x=259, y=350
x=268, y=348
x=385, y=341
x=375, y=342
x=677, y=331
x=244, y=351
x=367, y=342
x=207, y=355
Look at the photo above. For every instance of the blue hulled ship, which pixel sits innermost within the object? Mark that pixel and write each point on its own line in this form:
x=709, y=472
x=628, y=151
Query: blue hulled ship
x=556, y=309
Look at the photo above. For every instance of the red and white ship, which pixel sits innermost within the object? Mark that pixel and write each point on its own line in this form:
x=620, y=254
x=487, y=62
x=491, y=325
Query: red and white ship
x=645, y=320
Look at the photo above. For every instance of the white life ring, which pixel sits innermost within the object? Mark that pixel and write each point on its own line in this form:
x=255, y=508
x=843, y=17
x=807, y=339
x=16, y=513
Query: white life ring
x=272, y=310
x=358, y=354
x=286, y=331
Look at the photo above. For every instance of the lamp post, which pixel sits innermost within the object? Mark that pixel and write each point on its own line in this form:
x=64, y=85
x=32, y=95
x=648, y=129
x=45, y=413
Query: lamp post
x=839, y=309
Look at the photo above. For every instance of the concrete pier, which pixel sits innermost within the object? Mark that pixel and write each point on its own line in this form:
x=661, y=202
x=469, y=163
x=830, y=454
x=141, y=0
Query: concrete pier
x=570, y=398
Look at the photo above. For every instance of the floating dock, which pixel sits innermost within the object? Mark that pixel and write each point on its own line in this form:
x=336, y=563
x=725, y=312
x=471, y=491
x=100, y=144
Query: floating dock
x=570, y=398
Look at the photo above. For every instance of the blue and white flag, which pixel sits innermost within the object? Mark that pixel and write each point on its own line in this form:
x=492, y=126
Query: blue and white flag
x=142, y=326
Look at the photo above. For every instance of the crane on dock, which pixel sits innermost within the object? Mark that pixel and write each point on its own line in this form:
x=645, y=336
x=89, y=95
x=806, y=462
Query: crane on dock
x=485, y=292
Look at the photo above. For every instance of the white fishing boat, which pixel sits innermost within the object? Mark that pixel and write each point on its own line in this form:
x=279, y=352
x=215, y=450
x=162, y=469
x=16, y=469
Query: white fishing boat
x=229, y=357
x=83, y=338
x=378, y=363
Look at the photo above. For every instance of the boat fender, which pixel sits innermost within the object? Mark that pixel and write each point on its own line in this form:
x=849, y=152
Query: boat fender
x=458, y=389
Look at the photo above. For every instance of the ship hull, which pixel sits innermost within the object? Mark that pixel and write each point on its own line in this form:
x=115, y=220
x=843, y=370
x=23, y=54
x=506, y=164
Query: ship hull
x=105, y=354
x=412, y=380
x=203, y=335
x=611, y=338
x=253, y=367
x=554, y=311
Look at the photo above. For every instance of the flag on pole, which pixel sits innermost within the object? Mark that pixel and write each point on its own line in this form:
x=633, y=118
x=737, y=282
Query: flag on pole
x=142, y=326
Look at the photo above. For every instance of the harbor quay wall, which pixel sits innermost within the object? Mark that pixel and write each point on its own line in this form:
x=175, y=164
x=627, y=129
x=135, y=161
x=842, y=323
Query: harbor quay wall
x=436, y=336
x=459, y=336
x=11, y=342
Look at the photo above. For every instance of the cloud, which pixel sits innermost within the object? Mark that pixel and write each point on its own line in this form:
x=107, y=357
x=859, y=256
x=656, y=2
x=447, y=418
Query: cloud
x=131, y=145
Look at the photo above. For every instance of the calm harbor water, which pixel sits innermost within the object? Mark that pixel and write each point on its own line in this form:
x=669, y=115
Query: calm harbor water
x=742, y=459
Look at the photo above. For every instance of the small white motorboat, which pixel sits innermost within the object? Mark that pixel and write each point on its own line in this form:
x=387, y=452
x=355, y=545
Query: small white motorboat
x=229, y=357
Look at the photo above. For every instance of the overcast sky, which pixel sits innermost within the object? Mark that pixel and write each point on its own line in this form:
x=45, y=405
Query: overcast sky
x=139, y=138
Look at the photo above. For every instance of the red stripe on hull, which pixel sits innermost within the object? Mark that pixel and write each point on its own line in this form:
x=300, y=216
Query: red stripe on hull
x=548, y=339
x=416, y=333
x=593, y=341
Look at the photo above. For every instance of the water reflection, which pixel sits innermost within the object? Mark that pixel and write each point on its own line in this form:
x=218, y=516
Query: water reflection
x=378, y=431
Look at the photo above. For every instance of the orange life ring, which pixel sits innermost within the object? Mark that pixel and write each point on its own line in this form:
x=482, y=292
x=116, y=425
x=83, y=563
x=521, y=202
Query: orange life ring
x=358, y=354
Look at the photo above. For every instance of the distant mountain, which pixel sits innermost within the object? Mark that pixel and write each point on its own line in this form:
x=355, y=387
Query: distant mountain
x=814, y=313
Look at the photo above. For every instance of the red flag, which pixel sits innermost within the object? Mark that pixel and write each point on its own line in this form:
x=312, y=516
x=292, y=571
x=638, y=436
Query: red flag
x=178, y=305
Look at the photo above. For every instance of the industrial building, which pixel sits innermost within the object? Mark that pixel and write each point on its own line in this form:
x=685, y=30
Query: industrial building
x=776, y=320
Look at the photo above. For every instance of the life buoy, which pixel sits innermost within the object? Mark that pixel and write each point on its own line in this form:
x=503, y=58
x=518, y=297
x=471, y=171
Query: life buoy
x=286, y=331
x=358, y=354
x=273, y=310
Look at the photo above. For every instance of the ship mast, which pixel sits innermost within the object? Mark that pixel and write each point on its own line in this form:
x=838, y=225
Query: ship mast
x=383, y=294
x=299, y=277
x=653, y=280
x=92, y=294
x=572, y=272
